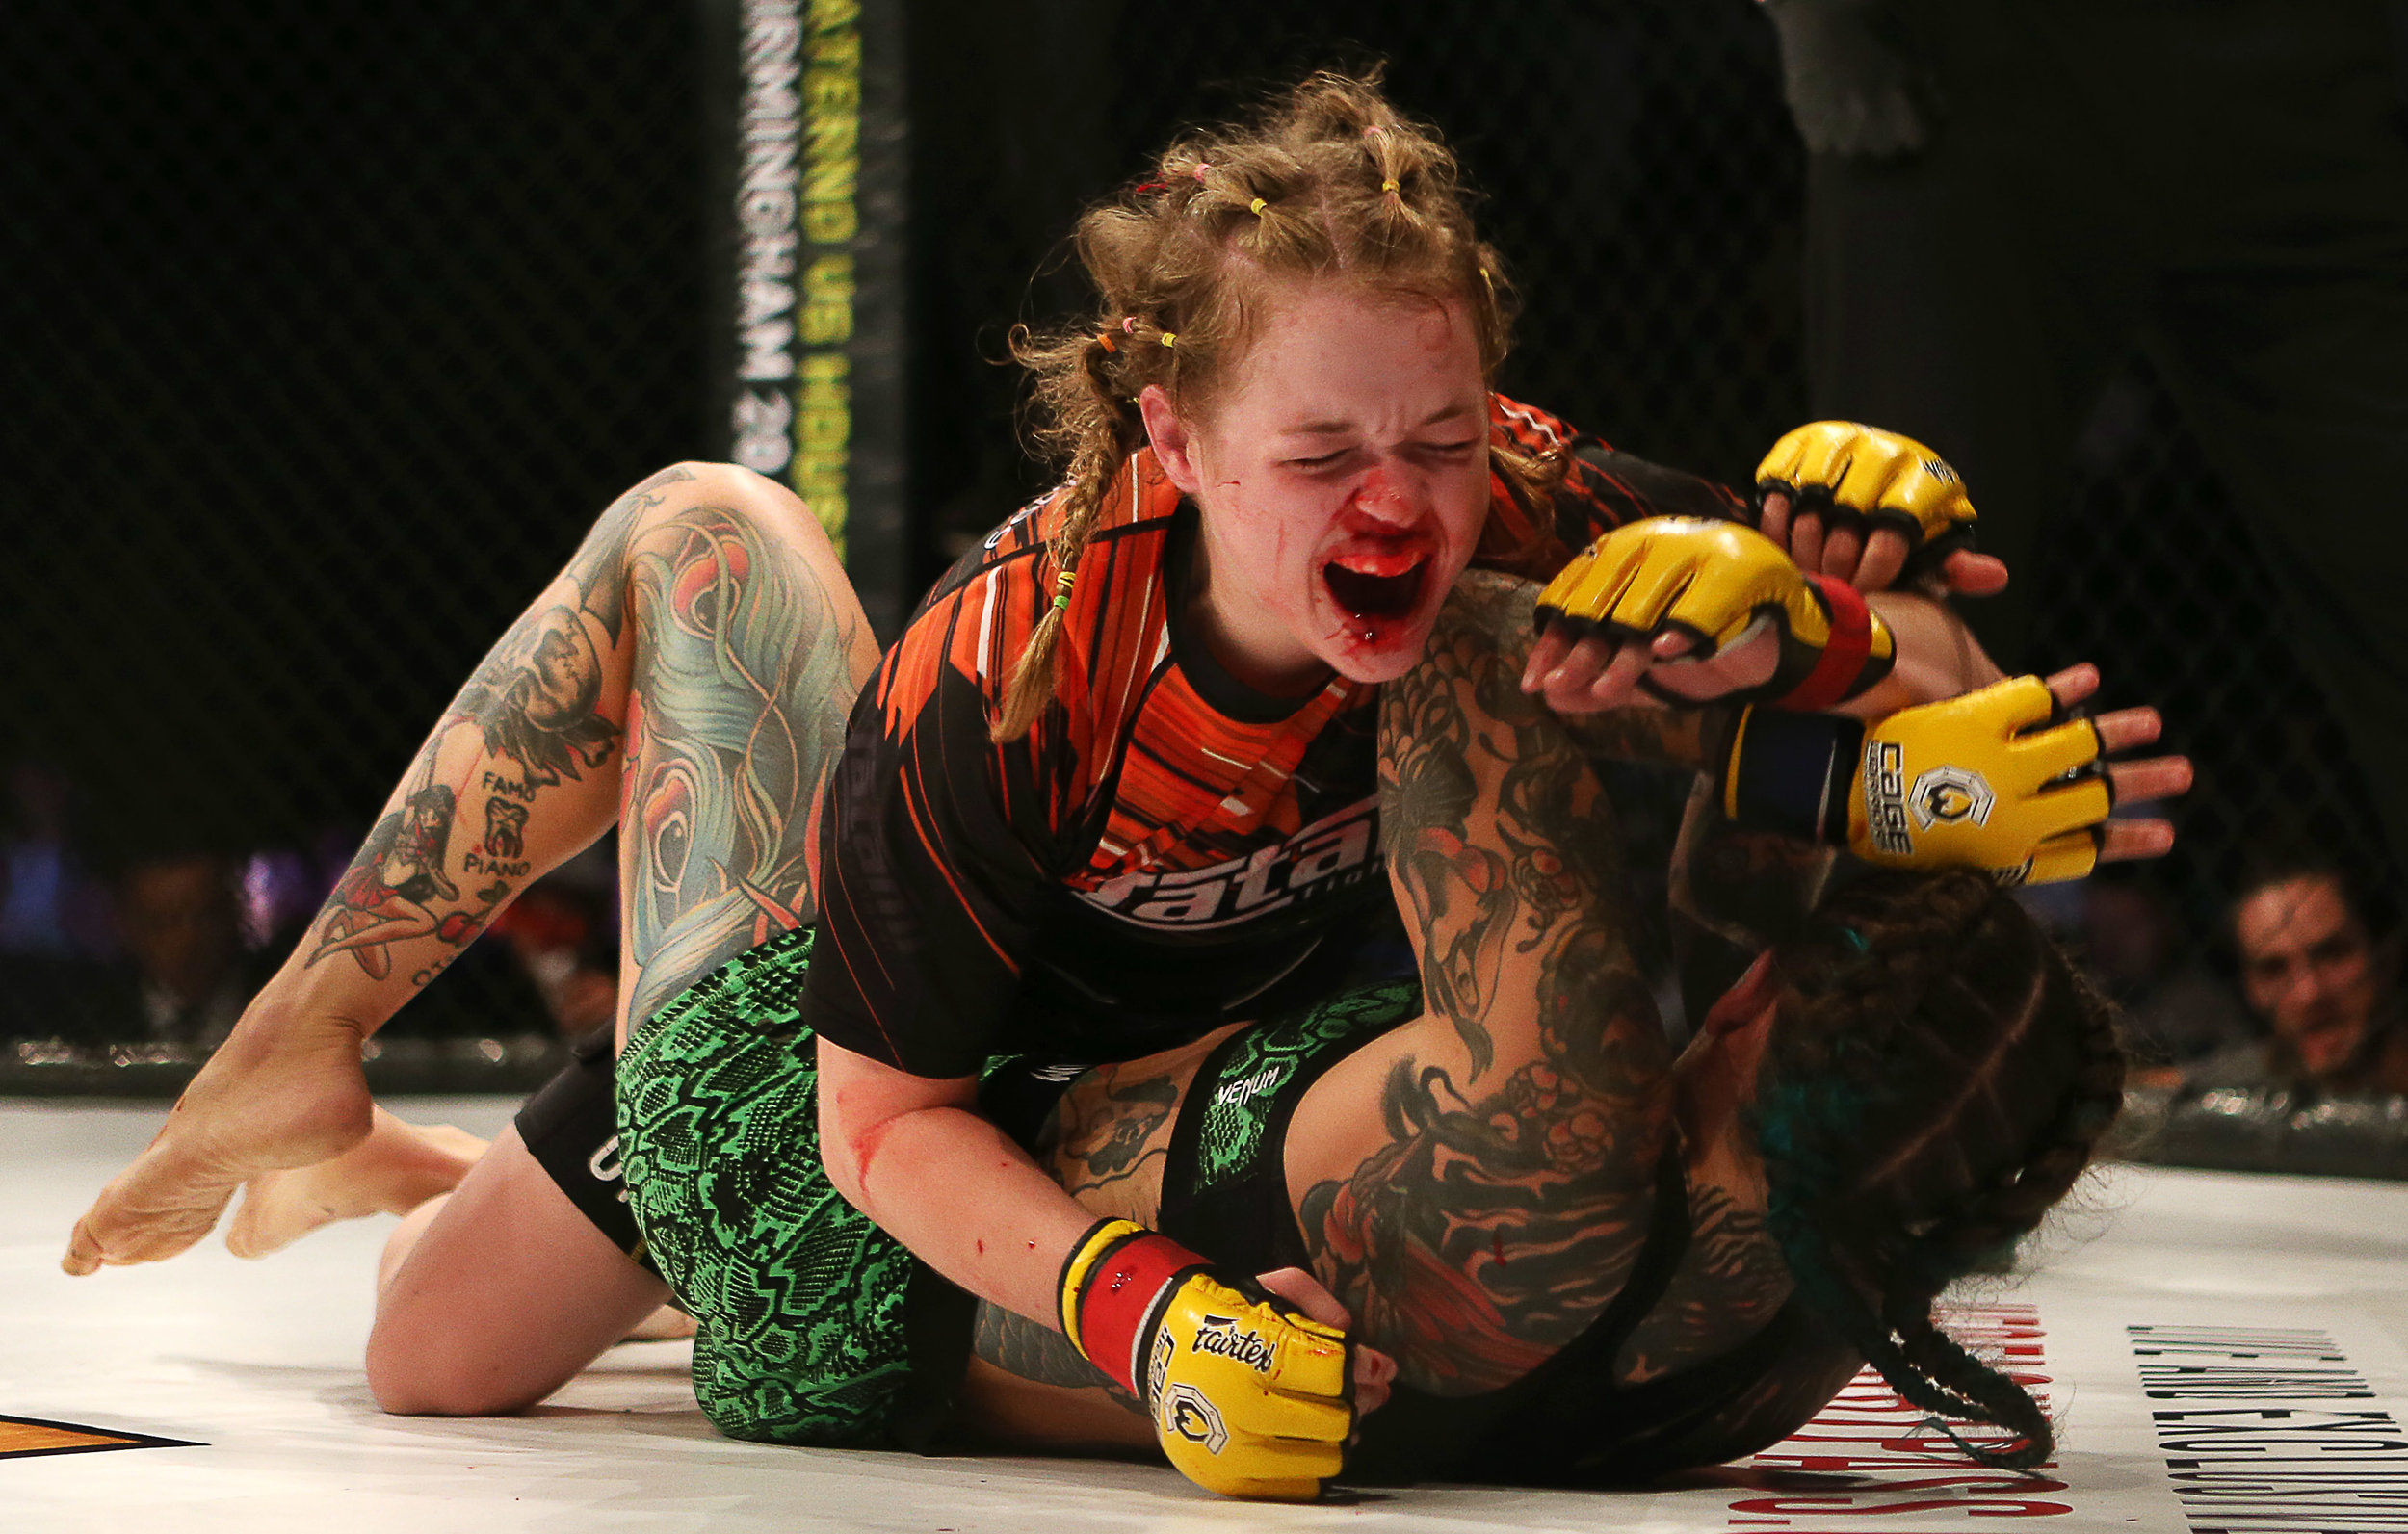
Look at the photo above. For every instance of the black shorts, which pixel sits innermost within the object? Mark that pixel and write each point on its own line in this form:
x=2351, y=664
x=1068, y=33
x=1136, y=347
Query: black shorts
x=570, y=1127
x=1224, y=1180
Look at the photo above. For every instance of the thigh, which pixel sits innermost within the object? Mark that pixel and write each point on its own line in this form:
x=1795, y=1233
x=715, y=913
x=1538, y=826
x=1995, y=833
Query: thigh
x=748, y=648
x=814, y=1326
x=509, y=1292
x=1186, y=1142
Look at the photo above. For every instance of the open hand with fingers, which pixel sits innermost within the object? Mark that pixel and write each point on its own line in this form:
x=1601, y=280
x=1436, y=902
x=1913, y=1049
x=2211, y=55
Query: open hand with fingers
x=2003, y=779
x=1869, y=506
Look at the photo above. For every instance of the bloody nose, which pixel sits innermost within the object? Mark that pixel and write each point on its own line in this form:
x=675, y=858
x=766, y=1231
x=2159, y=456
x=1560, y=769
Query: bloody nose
x=1379, y=500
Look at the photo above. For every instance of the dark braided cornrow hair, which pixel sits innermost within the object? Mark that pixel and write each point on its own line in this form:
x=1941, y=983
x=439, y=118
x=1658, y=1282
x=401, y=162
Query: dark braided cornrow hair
x=1329, y=180
x=1938, y=1079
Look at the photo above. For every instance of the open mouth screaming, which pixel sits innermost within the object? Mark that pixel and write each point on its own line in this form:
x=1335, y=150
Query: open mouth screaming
x=1376, y=583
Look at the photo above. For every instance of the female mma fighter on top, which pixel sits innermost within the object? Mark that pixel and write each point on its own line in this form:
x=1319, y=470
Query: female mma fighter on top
x=1306, y=325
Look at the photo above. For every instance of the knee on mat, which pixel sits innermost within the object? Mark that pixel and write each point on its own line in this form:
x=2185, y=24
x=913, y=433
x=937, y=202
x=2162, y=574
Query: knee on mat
x=413, y=1375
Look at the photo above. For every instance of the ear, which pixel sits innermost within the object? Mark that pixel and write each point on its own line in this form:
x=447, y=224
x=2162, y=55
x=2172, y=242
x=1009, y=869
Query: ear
x=1173, y=439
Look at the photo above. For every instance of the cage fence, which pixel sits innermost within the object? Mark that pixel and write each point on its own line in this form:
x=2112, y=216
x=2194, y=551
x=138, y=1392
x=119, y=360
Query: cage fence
x=332, y=330
x=337, y=328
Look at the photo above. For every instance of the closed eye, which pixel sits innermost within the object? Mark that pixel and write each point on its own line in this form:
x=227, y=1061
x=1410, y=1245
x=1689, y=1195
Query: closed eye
x=1319, y=461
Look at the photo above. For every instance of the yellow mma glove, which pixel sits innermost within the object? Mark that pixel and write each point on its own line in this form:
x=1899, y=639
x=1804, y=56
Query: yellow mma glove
x=1844, y=473
x=1715, y=582
x=1249, y=1397
x=1991, y=780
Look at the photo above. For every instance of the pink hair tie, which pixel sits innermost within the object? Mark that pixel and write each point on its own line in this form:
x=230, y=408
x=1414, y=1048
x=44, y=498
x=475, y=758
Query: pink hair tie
x=1128, y=325
x=1201, y=166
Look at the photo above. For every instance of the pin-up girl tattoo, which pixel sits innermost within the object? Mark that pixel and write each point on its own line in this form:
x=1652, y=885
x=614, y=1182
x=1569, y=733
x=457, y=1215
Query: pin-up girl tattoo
x=381, y=900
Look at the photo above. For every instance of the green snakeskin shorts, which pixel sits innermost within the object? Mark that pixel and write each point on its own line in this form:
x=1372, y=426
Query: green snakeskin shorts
x=816, y=1327
x=800, y=1302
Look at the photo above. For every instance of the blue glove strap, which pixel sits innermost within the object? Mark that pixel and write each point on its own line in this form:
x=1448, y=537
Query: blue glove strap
x=1789, y=773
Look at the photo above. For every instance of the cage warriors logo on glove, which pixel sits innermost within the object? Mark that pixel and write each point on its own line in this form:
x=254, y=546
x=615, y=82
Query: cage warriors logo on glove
x=1333, y=853
x=1218, y=1335
x=1157, y=1368
x=1188, y=1413
x=1885, y=798
x=1948, y=794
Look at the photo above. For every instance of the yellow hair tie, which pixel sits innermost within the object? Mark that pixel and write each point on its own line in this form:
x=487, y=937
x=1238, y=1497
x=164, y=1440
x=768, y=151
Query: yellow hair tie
x=1170, y=338
x=1387, y=186
x=1061, y=588
x=1255, y=207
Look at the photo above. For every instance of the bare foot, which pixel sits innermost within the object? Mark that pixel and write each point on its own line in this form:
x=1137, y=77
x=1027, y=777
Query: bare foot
x=285, y=1090
x=397, y=1167
x=666, y=1324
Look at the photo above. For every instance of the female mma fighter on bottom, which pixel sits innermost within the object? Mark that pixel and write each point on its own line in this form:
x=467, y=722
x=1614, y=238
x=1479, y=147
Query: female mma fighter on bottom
x=1592, y=1263
x=1306, y=325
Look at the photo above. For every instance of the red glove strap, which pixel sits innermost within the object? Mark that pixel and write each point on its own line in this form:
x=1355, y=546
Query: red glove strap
x=1842, y=657
x=1119, y=1299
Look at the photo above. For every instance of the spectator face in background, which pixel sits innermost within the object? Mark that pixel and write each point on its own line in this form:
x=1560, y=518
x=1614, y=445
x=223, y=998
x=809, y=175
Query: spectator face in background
x=2308, y=968
x=182, y=924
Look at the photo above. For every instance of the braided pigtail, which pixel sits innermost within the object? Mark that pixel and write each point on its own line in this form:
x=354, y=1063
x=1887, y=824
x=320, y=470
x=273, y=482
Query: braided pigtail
x=1939, y=1080
x=1919, y=1361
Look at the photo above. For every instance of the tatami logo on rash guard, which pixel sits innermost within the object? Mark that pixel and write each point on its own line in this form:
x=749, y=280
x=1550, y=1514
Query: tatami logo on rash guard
x=1335, y=852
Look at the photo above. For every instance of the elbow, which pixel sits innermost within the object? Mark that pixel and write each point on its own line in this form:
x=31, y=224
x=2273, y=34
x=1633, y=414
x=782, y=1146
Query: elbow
x=847, y=1144
x=862, y=1103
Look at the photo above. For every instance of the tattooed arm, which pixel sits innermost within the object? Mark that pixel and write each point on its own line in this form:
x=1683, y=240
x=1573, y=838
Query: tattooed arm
x=1522, y=1115
x=1729, y=1284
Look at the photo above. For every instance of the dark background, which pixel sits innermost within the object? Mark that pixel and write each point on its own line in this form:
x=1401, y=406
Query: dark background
x=329, y=334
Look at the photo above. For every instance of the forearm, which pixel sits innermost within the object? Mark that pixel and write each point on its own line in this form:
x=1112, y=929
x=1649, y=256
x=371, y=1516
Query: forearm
x=1938, y=657
x=953, y=1188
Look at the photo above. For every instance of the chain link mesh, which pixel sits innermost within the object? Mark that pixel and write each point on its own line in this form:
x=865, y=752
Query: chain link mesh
x=333, y=329
x=338, y=325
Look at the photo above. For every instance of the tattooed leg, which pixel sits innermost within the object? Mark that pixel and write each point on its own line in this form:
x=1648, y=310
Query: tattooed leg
x=1493, y=1206
x=743, y=637
x=748, y=648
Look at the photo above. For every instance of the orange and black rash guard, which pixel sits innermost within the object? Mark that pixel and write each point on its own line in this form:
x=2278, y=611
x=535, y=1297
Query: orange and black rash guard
x=1167, y=849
